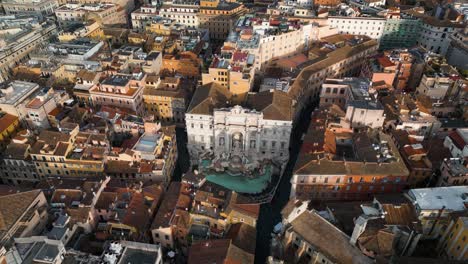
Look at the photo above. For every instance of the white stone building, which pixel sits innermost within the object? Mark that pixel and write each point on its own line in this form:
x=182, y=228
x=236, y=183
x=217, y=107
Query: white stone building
x=107, y=14
x=436, y=205
x=260, y=129
x=142, y=17
x=457, y=53
x=15, y=96
x=184, y=12
x=373, y=3
x=435, y=85
x=18, y=46
x=419, y=124
x=457, y=143
x=37, y=109
x=369, y=26
x=38, y=8
x=267, y=42
x=435, y=34
x=352, y=95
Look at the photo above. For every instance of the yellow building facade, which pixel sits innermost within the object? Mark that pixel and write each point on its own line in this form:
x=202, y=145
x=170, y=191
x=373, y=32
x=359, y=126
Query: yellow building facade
x=219, y=17
x=238, y=79
x=9, y=125
x=453, y=242
x=185, y=63
x=165, y=99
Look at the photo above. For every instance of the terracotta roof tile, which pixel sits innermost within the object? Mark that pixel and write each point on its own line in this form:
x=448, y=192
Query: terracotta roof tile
x=13, y=206
x=457, y=140
x=6, y=121
x=275, y=105
x=137, y=213
x=211, y=251
x=207, y=97
x=168, y=204
x=327, y=239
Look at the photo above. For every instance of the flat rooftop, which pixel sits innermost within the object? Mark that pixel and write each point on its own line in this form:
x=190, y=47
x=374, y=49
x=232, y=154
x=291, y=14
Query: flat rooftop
x=133, y=255
x=47, y=253
x=16, y=91
x=98, y=7
x=456, y=167
x=117, y=80
x=147, y=143
x=451, y=198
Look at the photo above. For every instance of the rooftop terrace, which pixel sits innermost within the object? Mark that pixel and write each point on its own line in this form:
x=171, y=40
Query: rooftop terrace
x=147, y=143
x=16, y=91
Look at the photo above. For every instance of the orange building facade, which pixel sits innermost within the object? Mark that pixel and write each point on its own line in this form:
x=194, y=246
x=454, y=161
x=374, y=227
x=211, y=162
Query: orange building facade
x=338, y=164
x=186, y=64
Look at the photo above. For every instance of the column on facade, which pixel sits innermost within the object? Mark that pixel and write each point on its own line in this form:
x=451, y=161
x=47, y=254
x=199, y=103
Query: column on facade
x=227, y=141
x=246, y=139
x=257, y=146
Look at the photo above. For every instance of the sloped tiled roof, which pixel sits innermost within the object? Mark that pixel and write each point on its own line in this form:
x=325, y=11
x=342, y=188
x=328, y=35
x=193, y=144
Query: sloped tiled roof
x=380, y=243
x=13, y=206
x=457, y=140
x=212, y=251
x=208, y=97
x=327, y=239
x=275, y=105
x=137, y=213
x=243, y=236
x=16, y=151
x=6, y=121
